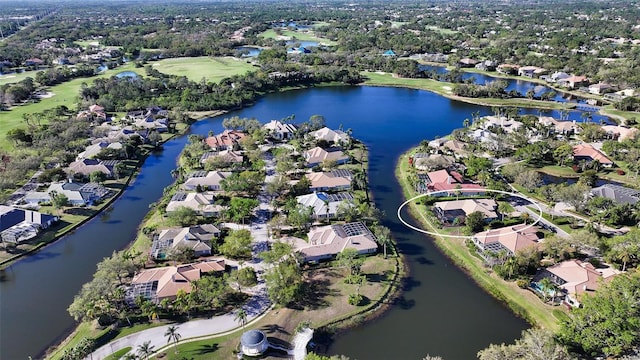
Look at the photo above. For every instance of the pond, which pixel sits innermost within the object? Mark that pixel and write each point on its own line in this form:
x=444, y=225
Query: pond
x=249, y=51
x=127, y=74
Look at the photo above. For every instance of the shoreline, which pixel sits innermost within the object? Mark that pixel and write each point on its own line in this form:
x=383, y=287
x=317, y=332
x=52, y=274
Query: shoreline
x=519, y=301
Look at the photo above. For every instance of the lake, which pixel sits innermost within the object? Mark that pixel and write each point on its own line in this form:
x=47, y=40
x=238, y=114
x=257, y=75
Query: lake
x=441, y=312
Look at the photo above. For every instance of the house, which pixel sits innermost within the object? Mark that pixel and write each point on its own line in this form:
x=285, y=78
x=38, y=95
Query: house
x=600, y=88
x=198, y=238
x=332, y=136
x=389, y=53
x=588, y=153
x=507, y=69
x=95, y=112
x=205, y=180
x=229, y=157
x=557, y=76
x=325, y=206
x=88, y=166
x=78, y=194
x=455, y=146
x=318, y=156
x=430, y=162
x=566, y=128
x=34, y=62
x=619, y=194
x=508, y=125
x=92, y=150
x=151, y=123
x=573, y=81
x=445, y=183
x=575, y=278
x=449, y=211
x=467, y=63
x=327, y=242
x=18, y=225
x=621, y=133
x=164, y=282
x=333, y=180
x=487, y=65
x=203, y=203
x=227, y=140
x=279, y=130
x=507, y=240
x=531, y=71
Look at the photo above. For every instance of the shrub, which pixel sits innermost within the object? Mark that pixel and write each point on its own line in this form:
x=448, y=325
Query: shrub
x=522, y=283
x=355, y=299
x=620, y=172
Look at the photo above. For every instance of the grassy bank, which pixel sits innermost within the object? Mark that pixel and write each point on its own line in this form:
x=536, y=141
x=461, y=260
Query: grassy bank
x=296, y=35
x=445, y=89
x=523, y=302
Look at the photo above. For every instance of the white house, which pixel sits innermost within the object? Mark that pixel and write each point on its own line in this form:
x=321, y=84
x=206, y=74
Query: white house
x=198, y=238
x=279, y=130
x=334, y=136
x=328, y=241
x=325, y=205
x=205, y=180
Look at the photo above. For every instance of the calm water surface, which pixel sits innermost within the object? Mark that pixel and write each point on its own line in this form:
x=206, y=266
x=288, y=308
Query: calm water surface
x=441, y=312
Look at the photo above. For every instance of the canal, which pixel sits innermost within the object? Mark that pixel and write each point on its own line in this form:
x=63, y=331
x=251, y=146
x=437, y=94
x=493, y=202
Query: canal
x=441, y=311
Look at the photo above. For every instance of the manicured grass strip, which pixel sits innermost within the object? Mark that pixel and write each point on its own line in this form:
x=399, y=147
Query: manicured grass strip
x=522, y=302
x=118, y=354
x=211, y=68
x=16, y=77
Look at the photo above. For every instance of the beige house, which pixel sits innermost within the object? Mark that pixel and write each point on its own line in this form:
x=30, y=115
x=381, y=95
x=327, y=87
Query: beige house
x=205, y=180
x=508, y=239
x=332, y=180
x=328, y=241
x=620, y=132
x=226, y=140
x=203, y=203
x=448, y=211
x=165, y=282
x=575, y=278
x=334, y=136
x=224, y=156
x=88, y=166
x=198, y=238
x=279, y=130
x=588, y=153
x=318, y=155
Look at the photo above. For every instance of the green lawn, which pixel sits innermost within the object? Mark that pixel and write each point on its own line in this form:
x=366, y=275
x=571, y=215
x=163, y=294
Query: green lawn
x=63, y=94
x=14, y=78
x=298, y=35
x=441, y=30
x=211, y=68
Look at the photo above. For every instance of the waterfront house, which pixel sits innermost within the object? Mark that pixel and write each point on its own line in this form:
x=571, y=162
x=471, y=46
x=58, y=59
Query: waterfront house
x=487, y=65
x=203, y=203
x=531, y=71
x=205, y=180
x=493, y=244
x=78, y=194
x=227, y=140
x=152, y=123
x=325, y=206
x=318, y=156
x=431, y=162
x=619, y=194
x=335, y=180
x=88, y=166
x=279, y=130
x=600, y=88
x=508, y=125
x=507, y=69
x=228, y=157
x=327, y=242
x=573, y=81
x=92, y=150
x=575, y=279
x=446, y=183
x=198, y=238
x=467, y=63
x=332, y=136
x=557, y=76
x=18, y=225
x=565, y=128
x=588, y=153
x=165, y=282
x=448, y=211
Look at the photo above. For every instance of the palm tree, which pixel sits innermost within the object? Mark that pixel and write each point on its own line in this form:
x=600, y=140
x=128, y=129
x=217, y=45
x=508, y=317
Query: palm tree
x=173, y=335
x=546, y=285
x=145, y=349
x=503, y=208
x=241, y=316
x=466, y=123
x=383, y=235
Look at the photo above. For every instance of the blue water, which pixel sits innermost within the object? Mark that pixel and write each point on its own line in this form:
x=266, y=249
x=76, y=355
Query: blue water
x=306, y=44
x=252, y=51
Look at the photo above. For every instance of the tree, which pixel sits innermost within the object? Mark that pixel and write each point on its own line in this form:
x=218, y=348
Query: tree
x=97, y=177
x=173, y=335
x=383, y=237
x=182, y=216
x=476, y=164
x=563, y=153
x=535, y=344
x=284, y=282
x=300, y=217
x=348, y=258
x=608, y=322
x=504, y=208
x=59, y=201
x=237, y=244
x=145, y=349
x=241, y=208
x=474, y=222
x=279, y=250
x=529, y=179
x=241, y=317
